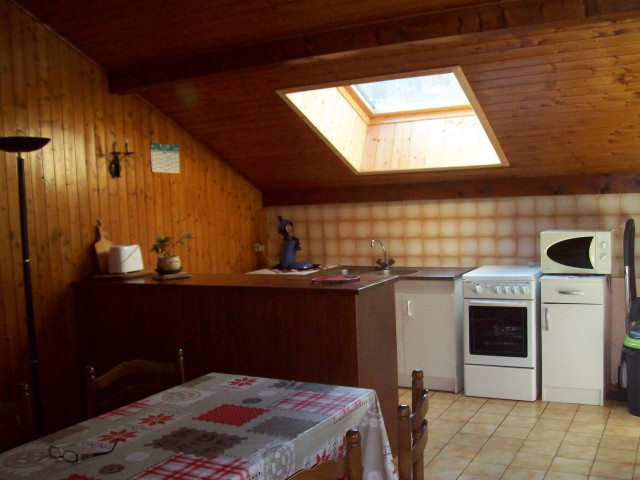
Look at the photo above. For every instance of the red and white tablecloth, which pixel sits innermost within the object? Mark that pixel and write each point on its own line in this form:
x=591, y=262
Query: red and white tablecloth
x=218, y=426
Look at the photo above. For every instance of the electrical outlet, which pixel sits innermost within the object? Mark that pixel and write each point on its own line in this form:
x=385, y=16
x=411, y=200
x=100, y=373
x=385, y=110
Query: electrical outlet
x=258, y=247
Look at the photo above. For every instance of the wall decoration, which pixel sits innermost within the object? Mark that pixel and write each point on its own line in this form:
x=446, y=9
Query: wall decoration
x=165, y=158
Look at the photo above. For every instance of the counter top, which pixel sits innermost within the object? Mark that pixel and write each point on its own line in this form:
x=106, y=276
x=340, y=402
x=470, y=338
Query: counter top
x=241, y=280
x=438, y=273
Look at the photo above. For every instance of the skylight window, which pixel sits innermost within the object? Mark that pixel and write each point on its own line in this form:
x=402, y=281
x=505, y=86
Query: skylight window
x=430, y=121
x=400, y=95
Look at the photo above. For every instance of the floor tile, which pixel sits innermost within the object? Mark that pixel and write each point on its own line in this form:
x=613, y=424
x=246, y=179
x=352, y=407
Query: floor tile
x=519, y=473
x=532, y=460
x=581, y=452
x=612, y=455
x=571, y=465
x=489, y=439
x=612, y=470
x=485, y=470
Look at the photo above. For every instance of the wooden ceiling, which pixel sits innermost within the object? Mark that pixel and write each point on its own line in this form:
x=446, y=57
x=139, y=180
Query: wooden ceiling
x=558, y=80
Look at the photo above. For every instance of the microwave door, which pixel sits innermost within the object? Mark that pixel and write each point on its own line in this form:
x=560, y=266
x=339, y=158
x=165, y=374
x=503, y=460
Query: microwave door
x=578, y=252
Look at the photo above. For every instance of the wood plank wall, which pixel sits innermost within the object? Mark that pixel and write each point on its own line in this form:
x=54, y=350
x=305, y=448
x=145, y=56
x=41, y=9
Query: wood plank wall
x=47, y=88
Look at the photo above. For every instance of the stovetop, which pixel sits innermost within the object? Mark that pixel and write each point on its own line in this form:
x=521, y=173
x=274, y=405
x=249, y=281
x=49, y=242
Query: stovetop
x=504, y=273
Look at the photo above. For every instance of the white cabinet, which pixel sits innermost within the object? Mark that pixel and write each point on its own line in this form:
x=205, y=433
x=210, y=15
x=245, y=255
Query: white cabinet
x=429, y=332
x=575, y=338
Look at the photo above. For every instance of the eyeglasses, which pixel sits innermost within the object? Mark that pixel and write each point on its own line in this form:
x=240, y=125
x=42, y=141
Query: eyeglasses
x=71, y=456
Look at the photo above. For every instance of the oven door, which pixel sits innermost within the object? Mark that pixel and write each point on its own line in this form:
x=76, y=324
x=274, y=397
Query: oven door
x=500, y=332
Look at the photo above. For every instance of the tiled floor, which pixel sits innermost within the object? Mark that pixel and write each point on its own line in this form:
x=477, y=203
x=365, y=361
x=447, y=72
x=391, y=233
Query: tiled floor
x=479, y=438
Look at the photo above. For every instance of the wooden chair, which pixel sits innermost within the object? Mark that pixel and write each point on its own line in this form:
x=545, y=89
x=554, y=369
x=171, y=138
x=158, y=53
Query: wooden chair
x=349, y=465
x=412, y=431
x=128, y=382
x=17, y=423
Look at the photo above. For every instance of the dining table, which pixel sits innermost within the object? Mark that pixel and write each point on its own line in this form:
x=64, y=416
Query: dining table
x=218, y=426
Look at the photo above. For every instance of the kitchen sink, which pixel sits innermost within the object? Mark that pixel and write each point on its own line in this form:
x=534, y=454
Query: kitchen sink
x=364, y=270
x=347, y=270
x=394, y=271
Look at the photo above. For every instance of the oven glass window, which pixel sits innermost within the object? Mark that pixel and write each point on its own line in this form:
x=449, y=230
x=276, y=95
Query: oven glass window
x=498, y=331
x=573, y=252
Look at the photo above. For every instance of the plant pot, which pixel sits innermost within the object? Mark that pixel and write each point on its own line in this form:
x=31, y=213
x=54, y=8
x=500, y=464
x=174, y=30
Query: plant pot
x=168, y=265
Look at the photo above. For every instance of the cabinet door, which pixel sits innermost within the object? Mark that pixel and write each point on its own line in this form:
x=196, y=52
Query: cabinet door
x=428, y=334
x=572, y=345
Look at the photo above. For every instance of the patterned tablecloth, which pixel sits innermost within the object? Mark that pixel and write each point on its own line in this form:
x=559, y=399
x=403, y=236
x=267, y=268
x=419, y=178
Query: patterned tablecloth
x=218, y=426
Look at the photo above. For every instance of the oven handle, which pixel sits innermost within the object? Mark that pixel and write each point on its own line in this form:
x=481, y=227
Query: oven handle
x=499, y=303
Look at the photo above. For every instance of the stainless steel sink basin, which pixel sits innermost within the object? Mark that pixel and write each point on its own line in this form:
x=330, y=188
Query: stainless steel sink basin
x=394, y=271
x=347, y=270
x=364, y=270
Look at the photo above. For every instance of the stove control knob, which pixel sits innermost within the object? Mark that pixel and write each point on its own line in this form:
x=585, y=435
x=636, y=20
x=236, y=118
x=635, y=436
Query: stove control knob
x=604, y=245
x=506, y=289
x=497, y=289
x=603, y=256
x=477, y=289
x=514, y=289
x=524, y=290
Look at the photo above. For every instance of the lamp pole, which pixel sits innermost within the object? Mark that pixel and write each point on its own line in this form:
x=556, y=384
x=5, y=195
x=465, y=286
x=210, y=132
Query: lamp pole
x=19, y=145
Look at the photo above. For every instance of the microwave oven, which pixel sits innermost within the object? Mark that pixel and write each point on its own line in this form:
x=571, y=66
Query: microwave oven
x=576, y=251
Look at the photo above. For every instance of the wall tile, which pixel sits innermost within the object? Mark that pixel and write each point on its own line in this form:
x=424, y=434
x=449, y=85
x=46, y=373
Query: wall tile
x=413, y=209
x=363, y=229
x=587, y=204
x=452, y=232
x=413, y=228
x=379, y=229
x=379, y=211
x=566, y=204
x=431, y=209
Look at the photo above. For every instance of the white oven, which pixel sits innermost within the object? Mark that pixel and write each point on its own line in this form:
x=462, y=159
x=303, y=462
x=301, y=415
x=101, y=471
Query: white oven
x=501, y=332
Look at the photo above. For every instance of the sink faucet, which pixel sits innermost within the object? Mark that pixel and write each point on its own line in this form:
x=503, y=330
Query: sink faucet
x=384, y=264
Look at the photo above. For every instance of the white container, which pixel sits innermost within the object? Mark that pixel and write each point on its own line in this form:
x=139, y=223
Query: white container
x=125, y=259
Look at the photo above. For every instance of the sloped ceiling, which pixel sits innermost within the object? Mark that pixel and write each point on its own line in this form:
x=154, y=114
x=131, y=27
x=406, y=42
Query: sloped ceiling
x=558, y=80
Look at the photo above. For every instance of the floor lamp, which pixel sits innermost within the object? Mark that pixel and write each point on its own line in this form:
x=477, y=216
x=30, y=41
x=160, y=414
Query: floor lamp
x=19, y=145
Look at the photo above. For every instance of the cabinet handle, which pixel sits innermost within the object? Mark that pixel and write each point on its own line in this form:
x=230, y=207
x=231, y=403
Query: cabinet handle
x=409, y=308
x=570, y=292
x=546, y=319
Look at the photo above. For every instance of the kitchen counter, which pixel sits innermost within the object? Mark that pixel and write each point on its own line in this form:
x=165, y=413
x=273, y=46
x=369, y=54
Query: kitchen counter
x=277, y=326
x=437, y=273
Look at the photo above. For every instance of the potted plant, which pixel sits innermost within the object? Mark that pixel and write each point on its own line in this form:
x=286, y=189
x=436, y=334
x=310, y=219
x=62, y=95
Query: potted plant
x=168, y=262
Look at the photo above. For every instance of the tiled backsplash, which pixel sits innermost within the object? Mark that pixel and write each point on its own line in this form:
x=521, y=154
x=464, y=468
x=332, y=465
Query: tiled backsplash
x=456, y=233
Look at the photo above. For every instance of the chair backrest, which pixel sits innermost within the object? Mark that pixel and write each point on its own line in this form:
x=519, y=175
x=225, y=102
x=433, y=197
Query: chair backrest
x=17, y=423
x=350, y=465
x=412, y=431
x=128, y=382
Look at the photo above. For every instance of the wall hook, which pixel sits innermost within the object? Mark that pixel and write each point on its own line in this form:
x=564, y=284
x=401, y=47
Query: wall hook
x=114, y=165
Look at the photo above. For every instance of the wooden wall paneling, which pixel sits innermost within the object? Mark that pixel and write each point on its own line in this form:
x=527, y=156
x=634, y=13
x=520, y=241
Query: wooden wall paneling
x=89, y=154
x=71, y=251
x=370, y=147
x=49, y=89
x=102, y=147
x=122, y=183
x=85, y=227
x=12, y=297
x=154, y=135
x=130, y=179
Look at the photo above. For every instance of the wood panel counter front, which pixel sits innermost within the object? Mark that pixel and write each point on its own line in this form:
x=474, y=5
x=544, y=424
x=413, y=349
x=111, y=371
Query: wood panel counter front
x=274, y=326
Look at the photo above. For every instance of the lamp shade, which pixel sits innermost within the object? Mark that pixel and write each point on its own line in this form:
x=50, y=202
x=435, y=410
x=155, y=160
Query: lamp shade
x=22, y=144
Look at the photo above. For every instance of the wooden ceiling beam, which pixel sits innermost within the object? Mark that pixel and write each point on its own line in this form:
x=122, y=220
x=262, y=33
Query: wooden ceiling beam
x=492, y=16
x=475, y=188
